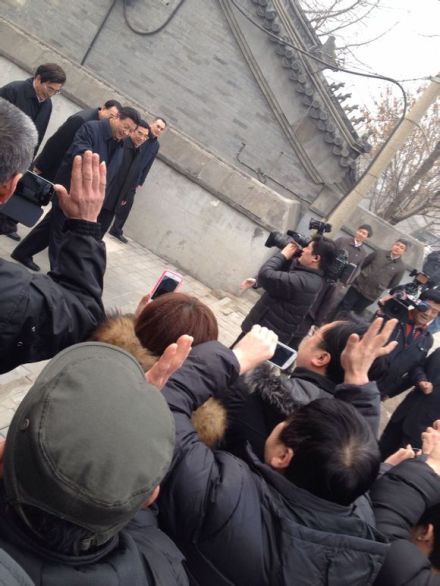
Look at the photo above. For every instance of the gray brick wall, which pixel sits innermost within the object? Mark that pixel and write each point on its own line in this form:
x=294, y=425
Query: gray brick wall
x=192, y=73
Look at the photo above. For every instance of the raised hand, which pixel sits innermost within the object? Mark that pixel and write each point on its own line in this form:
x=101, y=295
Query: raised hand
x=173, y=357
x=257, y=346
x=87, y=188
x=360, y=353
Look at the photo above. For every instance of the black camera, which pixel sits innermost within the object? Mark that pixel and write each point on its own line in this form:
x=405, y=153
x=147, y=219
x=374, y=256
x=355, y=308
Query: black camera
x=406, y=297
x=281, y=240
x=32, y=192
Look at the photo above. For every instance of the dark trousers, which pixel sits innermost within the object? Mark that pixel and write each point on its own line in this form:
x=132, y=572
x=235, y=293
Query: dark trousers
x=37, y=239
x=47, y=233
x=105, y=218
x=121, y=217
x=394, y=438
x=7, y=224
x=354, y=301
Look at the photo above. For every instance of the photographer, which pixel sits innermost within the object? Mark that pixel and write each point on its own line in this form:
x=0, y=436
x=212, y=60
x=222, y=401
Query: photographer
x=291, y=285
x=42, y=314
x=405, y=363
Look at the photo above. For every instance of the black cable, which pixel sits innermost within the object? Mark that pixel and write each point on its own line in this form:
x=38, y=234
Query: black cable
x=154, y=31
x=338, y=68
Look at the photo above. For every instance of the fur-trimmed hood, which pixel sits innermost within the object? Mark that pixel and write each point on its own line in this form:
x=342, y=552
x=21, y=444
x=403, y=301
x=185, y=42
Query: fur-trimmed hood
x=286, y=393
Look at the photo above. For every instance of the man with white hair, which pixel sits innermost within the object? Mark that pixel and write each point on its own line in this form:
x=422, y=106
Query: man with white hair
x=42, y=314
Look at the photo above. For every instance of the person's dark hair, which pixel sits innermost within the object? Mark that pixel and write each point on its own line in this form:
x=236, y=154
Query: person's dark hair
x=404, y=242
x=144, y=123
x=128, y=112
x=326, y=248
x=336, y=456
x=432, y=516
x=51, y=72
x=334, y=340
x=161, y=118
x=113, y=104
x=368, y=228
x=170, y=316
x=55, y=533
x=430, y=295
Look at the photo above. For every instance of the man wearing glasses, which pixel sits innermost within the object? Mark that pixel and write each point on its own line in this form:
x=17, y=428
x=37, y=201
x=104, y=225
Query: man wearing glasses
x=33, y=97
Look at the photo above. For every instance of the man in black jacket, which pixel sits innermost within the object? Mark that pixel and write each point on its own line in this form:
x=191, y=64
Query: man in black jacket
x=147, y=155
x=291, y=286
x=290, y=520
x=33, y=97
x=124, y=187
x=85, y=451
x=104, y=137
x=41, y=314
x=400, y=499
x=47, y=164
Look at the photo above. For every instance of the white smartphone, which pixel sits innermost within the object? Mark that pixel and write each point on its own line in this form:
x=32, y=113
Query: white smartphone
x=168, y=282
x=284, y=356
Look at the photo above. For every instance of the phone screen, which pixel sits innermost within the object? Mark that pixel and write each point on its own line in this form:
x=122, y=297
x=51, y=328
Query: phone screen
x=168, y=284
x=282, y=355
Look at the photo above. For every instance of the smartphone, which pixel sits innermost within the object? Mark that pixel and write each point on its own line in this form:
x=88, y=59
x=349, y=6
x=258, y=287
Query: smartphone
x=166, y=283
x=284, y=356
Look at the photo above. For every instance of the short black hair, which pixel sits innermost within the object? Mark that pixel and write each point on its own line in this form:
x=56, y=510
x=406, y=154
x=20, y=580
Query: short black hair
x=326, y=249
x=430, y=295
x=336, y=456
x=368, y=228
x=113, y=104
x=128, y=112
x=161, y=118
x=432, y=517
x=334, y=340
x=404, y=242
x=51, y=72
x=144, y=123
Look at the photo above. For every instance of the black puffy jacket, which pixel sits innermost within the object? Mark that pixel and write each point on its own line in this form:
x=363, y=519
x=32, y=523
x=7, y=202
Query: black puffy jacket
x=43, y=314
x=290, y=291
x=400, y=497
x=241, y=523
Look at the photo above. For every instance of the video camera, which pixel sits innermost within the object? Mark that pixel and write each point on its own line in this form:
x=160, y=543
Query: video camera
x=406, y=297
x=342, y=269
x=32, y=192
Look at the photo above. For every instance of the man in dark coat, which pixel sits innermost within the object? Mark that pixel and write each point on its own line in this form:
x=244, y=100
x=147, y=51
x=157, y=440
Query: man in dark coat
x=290, y=520
x=130, y=171
x=291, y=286
x=42, y=314
x=146, y=156
x=381, y=270
x=416, y=412
x=106, y=139
x=47, y=164
x=405, y=365
x=356, y=255
x=100, y=440
x=33, y=97
x=400, y=498
x=49, y=160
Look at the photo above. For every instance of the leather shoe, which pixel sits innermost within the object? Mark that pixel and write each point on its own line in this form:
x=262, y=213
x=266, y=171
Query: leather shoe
x=27, y=262
x=14, y=236
x=120, y=237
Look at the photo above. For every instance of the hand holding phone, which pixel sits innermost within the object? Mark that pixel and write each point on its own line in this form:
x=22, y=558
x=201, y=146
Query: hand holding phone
x=168, y=282
x=283, y=357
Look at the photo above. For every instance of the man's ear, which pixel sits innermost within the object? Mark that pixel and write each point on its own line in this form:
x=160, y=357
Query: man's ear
x=320, y=358
x=281, y=457
x=152, y=498
x=317, y=258
x=8, y=187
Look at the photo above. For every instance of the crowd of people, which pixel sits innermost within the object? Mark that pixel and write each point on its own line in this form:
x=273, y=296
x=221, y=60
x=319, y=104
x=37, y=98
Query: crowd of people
x=148, y=453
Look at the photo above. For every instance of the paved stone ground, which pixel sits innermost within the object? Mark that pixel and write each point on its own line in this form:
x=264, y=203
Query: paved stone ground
x=131, y=272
